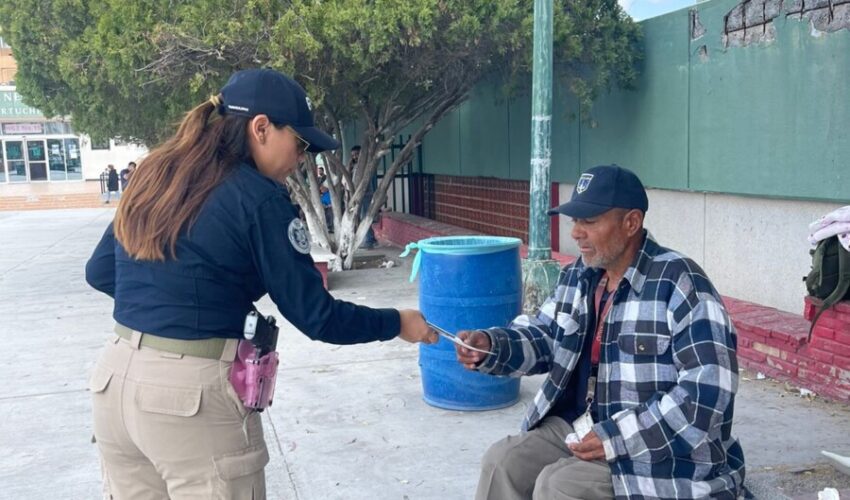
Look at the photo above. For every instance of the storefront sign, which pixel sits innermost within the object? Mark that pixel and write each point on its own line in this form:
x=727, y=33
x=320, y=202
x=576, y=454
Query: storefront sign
x=12, y=106
x=22, y=128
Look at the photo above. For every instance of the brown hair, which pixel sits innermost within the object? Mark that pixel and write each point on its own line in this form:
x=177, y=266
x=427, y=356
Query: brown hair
x=172, y=183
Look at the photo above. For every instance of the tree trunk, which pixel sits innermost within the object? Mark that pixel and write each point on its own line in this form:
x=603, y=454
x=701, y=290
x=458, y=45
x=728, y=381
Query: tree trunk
x=347, y=189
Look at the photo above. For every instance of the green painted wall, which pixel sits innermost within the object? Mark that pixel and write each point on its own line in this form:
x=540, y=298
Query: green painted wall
x=647, y=129
x=768, y=119
x=771, y=119
x=442, y=147
x=484, y=154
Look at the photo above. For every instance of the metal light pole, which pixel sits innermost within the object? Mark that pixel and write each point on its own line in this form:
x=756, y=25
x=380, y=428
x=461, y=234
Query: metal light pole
x=540, y=272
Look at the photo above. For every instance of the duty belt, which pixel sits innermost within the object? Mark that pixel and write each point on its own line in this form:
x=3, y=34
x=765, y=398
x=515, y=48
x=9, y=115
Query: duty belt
x=203, y=348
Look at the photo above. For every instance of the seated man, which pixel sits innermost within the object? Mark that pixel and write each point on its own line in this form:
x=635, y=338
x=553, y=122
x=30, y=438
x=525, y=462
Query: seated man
x=642, y=368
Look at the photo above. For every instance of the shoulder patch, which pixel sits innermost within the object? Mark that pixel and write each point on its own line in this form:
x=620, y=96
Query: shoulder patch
x=298, y=236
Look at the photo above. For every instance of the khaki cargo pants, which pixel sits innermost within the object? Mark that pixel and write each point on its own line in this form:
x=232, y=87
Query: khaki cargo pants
x=170, y=426
x=538, y=465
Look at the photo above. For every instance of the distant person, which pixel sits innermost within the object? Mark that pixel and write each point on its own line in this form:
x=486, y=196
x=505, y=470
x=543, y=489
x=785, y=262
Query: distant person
x=125, y=175
x=325, y=198
x=642, y=368
x=207, y=230
x=111, y=182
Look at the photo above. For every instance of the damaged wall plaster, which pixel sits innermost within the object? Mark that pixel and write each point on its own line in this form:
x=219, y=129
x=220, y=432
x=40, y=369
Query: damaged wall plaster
x=751, y=21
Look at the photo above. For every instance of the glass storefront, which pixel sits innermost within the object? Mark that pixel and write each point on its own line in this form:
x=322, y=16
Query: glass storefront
x=56, y=160
x=15, y=163
x=37, y=160
x=73, y=164
x=33, y=160
x=33, y=149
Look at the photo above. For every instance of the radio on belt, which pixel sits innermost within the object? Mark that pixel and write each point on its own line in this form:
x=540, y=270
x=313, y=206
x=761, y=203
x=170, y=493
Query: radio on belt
x=251, y=324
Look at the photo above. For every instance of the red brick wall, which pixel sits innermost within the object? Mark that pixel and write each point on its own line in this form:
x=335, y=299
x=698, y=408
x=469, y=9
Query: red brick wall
x=770, y=341
x=775, y=343
x=491, y=206
x=400, y=229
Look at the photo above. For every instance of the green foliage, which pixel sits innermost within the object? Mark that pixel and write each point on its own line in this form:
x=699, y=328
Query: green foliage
x=130, y=68
x=597, y=47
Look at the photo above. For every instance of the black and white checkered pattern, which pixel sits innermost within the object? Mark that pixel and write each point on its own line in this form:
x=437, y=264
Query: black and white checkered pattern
x=668, y=374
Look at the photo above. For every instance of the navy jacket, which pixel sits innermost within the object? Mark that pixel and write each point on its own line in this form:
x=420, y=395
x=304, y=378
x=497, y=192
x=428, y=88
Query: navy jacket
x=246, y=242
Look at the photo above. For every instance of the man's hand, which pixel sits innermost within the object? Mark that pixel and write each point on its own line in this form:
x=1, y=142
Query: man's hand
x=468, y=357
x=589, y=449
x=414, y=329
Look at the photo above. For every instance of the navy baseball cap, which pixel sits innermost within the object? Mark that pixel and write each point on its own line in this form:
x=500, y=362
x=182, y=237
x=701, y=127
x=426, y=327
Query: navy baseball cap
x=253, y=92
x=602, y=188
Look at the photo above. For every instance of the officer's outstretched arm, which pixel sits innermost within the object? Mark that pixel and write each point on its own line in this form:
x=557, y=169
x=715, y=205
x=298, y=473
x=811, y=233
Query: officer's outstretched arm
x=281, y=250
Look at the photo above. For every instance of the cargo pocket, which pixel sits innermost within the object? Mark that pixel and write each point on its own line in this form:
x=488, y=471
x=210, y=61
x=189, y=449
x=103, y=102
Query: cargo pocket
x=103, y=405
x=175, y=401
x=99, y=380
x=240, y=475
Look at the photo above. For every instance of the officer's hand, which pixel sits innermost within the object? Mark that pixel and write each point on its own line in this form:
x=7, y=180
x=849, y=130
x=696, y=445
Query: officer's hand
x=590, y=448
x=414, y=329
x=468, y=357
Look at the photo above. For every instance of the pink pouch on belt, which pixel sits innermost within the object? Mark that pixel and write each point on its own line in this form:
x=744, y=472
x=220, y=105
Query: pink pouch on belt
x=254, y=378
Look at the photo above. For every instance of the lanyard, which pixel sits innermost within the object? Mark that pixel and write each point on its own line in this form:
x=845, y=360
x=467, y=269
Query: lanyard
x=602, y=306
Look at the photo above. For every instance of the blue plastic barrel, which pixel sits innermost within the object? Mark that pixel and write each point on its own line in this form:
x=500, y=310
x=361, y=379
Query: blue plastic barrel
x=466, y=282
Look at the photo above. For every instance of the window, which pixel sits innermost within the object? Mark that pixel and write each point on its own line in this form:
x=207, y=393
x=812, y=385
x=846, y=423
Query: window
x=99, y=144
x=58, y=128
x=72, y=159
x=3, y=44
x=15, y=163
x=56, y=160
x=2, y=168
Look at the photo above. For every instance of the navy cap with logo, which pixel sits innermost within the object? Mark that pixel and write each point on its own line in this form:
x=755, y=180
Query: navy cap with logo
x=602, y=188
x=253, y=92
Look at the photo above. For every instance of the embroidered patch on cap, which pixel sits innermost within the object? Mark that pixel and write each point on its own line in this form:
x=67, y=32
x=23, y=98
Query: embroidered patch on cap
x=309, y=103
x=298, y=236
x=583, y=183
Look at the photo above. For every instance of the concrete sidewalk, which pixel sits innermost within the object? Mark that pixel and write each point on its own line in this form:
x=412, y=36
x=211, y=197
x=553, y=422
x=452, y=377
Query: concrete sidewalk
x=348, y=422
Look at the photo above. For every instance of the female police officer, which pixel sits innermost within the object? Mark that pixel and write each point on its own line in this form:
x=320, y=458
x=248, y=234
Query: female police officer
x=205, y=229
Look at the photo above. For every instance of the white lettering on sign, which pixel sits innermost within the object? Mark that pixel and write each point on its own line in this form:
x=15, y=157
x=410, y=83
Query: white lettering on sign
x=12, y=104
x=19, y=112
x=12, y=97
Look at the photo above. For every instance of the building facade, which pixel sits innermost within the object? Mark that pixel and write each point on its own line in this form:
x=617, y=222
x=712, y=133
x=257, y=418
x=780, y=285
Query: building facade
x=34, y=148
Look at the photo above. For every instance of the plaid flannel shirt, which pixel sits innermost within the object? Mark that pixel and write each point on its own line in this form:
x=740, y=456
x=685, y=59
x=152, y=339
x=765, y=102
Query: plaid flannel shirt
x=668, y=374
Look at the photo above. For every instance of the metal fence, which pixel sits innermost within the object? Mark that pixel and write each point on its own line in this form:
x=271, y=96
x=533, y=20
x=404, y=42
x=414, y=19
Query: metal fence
x=411, y=190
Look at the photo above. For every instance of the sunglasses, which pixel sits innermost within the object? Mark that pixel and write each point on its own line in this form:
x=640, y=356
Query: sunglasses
x=303, y=145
